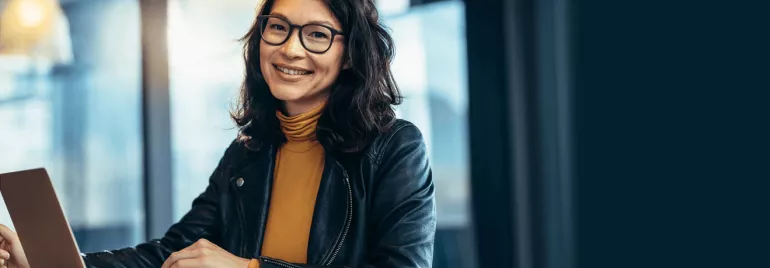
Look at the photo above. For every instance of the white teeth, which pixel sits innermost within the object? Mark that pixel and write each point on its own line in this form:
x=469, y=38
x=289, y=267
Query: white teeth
x=292, y=71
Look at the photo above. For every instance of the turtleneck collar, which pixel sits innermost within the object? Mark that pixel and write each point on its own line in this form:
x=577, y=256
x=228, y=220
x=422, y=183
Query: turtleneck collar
x=301, y=127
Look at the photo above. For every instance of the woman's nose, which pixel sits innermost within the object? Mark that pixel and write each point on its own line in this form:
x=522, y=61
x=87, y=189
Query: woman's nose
x=293, y=47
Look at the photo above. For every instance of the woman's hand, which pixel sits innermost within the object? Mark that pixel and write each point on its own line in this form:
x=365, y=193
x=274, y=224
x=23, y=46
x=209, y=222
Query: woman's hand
x=204, y=254
x=11, y=253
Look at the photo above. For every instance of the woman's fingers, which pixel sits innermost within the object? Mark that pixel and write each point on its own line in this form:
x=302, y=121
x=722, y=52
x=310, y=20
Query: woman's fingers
x=4, y=255
x=201, y=243
x=185, y=263
x=6, y=233
x=183, y=255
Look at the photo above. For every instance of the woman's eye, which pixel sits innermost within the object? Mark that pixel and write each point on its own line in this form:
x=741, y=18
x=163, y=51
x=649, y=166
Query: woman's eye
x=318, y=35
x=277, y=27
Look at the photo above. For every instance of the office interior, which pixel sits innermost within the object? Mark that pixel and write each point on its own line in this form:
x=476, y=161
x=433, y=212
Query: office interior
x=561, y=133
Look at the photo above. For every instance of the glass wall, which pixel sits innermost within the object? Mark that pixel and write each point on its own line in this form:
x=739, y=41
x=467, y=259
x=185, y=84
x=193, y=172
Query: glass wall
x=430, y=69
x=206, y=70
x=72, y=105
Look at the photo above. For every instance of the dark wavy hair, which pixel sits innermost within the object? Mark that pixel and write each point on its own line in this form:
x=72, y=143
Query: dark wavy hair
x=360, y=104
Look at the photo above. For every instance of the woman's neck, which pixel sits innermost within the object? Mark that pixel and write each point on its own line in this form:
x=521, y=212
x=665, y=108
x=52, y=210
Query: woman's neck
x=292, y=108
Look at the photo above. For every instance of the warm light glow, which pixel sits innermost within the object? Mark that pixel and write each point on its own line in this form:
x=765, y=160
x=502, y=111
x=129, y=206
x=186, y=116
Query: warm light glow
x=34, y=28
x=31, y=13
x=24, y=23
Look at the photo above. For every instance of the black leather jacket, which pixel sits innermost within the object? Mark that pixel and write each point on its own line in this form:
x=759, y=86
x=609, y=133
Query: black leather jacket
x=376, y=210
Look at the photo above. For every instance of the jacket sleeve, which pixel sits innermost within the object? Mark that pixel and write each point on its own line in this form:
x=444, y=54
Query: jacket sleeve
x=402, y=212
x=200, y=222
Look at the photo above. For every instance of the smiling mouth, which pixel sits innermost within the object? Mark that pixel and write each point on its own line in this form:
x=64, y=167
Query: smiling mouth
x=291, y=71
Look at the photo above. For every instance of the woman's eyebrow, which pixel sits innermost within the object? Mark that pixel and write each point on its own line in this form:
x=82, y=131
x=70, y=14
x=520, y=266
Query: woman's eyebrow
x=321, y=22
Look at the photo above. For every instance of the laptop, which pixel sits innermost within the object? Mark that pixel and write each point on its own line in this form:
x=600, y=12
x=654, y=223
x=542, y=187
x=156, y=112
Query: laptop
x=40, y=223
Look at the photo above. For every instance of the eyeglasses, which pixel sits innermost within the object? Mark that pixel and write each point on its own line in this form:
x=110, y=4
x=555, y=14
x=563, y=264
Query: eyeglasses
x=316, y=38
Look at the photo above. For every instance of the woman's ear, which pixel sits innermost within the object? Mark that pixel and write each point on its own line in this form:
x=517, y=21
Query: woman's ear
x=348, y=60
x=347, y=65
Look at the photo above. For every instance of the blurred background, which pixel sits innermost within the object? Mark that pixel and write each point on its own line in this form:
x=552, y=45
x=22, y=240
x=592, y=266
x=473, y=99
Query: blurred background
x=562, y=133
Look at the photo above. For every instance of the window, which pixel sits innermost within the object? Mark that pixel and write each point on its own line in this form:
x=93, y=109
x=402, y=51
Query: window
x=430, y=69
x=72, y=106
x=206, y=70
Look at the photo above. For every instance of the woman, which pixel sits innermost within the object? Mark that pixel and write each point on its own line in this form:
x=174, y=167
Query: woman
x=322, y=174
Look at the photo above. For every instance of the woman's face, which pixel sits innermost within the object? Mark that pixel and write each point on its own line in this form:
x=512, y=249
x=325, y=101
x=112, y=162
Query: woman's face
x=301, y=79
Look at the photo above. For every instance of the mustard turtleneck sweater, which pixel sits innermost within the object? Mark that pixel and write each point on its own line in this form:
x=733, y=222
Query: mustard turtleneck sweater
x=298, y=170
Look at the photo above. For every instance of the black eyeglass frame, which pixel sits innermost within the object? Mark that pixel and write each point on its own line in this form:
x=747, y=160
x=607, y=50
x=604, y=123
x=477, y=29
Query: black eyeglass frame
x=262, y=18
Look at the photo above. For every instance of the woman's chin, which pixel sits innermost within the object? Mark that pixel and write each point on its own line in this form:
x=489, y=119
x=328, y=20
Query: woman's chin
x=287, y=94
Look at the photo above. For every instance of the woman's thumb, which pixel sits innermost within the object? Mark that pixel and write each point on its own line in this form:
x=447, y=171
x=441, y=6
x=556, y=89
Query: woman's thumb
x=5, y=255
x=7, y=234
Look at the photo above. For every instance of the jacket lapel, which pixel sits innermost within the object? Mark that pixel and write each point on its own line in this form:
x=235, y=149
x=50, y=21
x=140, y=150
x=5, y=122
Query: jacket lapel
x=253, y=185
x=330, y=213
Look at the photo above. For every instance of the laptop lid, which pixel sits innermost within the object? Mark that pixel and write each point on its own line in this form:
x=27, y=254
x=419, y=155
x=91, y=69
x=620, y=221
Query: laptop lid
x=39, y=221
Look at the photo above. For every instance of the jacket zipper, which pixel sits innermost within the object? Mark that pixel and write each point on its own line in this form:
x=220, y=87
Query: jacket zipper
x=279, y=263
x=348, y=217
